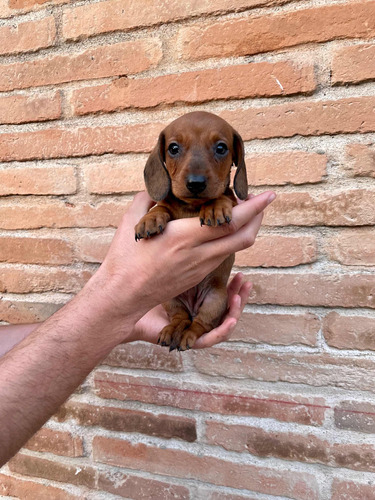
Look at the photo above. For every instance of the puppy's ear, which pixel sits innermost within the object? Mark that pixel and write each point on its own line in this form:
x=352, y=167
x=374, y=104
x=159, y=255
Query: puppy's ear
x=157, y=180
x=240, y=179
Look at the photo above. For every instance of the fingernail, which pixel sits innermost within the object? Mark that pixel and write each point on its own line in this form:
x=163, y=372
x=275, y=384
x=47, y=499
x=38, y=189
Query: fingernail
x=271, y=198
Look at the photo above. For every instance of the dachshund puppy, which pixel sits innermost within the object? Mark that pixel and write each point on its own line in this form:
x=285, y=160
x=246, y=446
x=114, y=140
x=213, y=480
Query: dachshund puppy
x=188, y=175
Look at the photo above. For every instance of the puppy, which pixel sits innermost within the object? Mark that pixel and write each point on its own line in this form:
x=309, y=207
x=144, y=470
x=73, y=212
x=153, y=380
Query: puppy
x=188, y=175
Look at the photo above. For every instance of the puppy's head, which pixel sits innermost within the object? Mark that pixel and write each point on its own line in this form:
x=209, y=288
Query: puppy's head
x=193, y=159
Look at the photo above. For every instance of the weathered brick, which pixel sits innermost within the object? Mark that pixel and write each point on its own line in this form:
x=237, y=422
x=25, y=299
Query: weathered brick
x=307, y=118
x=353, y=64
x=26, y=312
x=240, y=81
x=28, y=36
x=264, y=33
x=320, y=370
x=84, y=141
x=308, y=289
x=114, y=15
x=59, y=214
x=33, y=108
x=57, y=442
x=15, y=279
x=79, y=474
x=99, y=62
x=293, y=484
x=349, y=332
x=39, y=181
x=140, y=488
x=20, y=488
x=361, y=160
x=144, y=356
x=124, y=420
x=278, y=251
x=291, y=446
x=30, y=250
x=277, y=329
x=121, y=176
x=93, y=247
x=355, y=416
x=352, y=247
x=350, y=207
x=291, y=167
x=262, y=404
x=348, y=490
x=30, y=4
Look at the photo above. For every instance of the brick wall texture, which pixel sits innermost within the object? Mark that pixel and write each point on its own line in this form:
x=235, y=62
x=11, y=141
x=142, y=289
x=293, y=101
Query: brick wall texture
x=286, y=408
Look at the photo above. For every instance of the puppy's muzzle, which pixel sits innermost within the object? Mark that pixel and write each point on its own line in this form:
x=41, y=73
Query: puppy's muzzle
x=196, y=184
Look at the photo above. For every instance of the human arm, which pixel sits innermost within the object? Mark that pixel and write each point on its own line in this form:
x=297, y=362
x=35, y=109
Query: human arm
x=41, y=372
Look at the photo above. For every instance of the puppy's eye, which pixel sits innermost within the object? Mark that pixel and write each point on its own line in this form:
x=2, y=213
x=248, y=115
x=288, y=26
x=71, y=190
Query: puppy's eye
x=173, y=149
x=221, y=149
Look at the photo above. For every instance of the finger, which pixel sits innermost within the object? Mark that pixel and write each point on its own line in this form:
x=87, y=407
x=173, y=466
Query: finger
x=235, y=284
x=219, y=334
x=140, y=205
x=242, y=214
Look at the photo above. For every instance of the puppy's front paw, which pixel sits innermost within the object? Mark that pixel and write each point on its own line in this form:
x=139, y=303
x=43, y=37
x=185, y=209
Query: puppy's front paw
x=151, y=224
x=216, y=213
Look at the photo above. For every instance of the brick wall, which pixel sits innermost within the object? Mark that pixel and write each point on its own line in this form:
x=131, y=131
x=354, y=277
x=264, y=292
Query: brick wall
x=286, y=408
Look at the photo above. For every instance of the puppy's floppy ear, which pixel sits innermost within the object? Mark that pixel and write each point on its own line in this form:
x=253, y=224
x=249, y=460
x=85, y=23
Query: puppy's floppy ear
x=240, y=179
x=157, y=180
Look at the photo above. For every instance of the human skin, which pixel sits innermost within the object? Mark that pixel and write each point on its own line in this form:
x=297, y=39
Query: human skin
x=117, y=305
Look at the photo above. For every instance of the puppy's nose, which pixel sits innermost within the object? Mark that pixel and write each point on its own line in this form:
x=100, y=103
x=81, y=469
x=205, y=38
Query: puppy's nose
x=196, y=183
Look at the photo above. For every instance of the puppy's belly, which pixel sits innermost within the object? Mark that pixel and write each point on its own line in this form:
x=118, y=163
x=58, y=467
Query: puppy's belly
x=193, y=298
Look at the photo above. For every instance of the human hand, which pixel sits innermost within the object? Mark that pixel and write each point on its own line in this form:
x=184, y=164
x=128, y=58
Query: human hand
x=136, y=276
x=149, y=326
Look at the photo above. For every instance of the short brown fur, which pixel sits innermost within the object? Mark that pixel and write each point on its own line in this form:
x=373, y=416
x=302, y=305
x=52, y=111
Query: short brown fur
x=188, y=175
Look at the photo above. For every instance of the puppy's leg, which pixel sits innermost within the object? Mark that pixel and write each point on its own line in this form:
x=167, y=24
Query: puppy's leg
x=217, y=212
x=153, y=222
x=180, y=320
x=209, y=316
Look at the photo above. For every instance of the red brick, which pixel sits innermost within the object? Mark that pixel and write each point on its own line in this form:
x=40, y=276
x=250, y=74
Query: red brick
x=253, y=35
x=350, y=207
x=123, y=15
x=262, y=404
x=277, y=329
x=16, y=279
x=30, y=4
x=30, y=250
x=291, y=167
x=349, y=332
x=352, y=248
x=57, y=442
x=26, y=312
x=291, y=446
x=79, y=474
x=85, y=141
x=348, y=490
x=308, y=289
x=124, y=420
x=321, y=370
x=355, y=416
x=28, y=36
x=35, y=180
x=99, y=62
x=140, y=488
x=22, y=489
x=121, y=176
x=205, y=468
x=58, y=214
x=307, y=118
x=93, y=247
x=361, y=160
x=144, y=356
x=278, y=251
x=240, y=81
x=210, y=494
x=353, y=64
x=22, y=109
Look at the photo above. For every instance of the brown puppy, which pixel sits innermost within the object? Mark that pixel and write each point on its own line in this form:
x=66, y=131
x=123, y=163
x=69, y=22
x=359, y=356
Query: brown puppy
x=188, y=174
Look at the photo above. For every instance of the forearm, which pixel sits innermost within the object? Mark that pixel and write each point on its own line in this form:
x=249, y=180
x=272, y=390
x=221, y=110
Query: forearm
x=11, y=335
x=42, y=371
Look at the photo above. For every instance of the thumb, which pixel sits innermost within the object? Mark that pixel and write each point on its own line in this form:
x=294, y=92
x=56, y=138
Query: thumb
x=140, y=206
